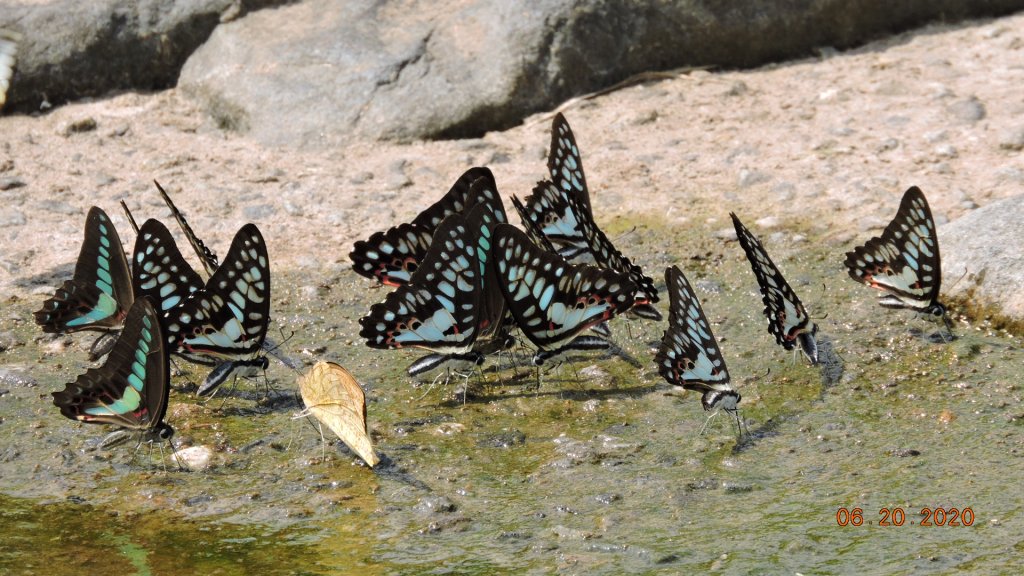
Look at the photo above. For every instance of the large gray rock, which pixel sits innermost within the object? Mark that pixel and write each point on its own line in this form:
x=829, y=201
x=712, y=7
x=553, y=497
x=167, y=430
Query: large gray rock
x=323, y=71
x=989, y=244
x=72, y=49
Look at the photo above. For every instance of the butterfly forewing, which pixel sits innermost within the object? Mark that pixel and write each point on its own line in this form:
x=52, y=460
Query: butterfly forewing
x=159, y=270
x=787, y=318
x=904, y=262
x=565, y=165
x=392, y=256
x=131, y=388
x=206, y=256
x=100, y=294
x=228, y=318
x=552, y=224
x=553, y=300
x=689, y=355
x=439, y=307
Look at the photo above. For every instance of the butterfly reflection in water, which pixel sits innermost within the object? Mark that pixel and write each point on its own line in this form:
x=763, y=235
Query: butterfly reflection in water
x=904, y=261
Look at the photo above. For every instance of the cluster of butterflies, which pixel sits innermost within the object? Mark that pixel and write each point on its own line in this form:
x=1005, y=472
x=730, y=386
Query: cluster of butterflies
x=465, y=278
x=161, y=307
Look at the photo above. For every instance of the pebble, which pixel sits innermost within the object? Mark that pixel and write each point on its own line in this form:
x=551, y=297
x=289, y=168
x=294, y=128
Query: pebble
x=748, y=178
x=12, y=217
x=967, y=111
x=434, y=505
x=195, y=458
x=62, y=208
x=767, y=222
x=1011, y=139
x=16, y=379
x=946, y=151
x=11, y=182
x=82, y=125
x=503, y=439
x=259, y=211
x=8, y=341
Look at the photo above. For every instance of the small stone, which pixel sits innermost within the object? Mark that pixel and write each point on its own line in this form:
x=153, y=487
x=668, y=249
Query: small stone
x=361, y=177
x=195, y=458
x=725, y=234
x=11, y=182
x=8, y=341
x=946, y=151
x=767, y=222
x=16, y=379
x=904, y=452
x=750, y=177
x=259, y=211
x=967, y=111
x=12, y=217
x=87, y=124
x=1012, y=139
x=434, y=505
x=503, y=439
x=738, y=88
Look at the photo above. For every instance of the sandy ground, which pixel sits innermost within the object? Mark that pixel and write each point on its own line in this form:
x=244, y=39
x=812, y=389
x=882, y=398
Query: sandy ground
x=820, y=149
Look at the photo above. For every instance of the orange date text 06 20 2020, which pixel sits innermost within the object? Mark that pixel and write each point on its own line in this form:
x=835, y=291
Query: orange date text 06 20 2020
x=898, y=517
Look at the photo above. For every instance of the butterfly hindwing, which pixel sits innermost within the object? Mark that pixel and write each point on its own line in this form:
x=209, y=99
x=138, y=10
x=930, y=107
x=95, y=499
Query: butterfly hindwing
x=131, y=388
x=438, y=309
x=159, y=270
x=787, y=319
x=689, y=355
x=550, y=299
x=100, y=293
x=904, y=261
x=228, y=318
x=392, y=256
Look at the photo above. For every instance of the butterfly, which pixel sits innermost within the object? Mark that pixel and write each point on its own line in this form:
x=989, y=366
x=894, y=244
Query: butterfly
x=8, y=56
x=391, y=257
x=559, y=218
x=904, y=262
x=440, y=308
x=332, y=394
x=689, y=356
x=227, y=320
x=131, y=388
x=159, y=271
x=552, y=300
x=787, y=319
x=99, y=295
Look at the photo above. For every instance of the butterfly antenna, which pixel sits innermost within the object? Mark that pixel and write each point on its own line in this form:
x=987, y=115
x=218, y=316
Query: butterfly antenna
x=131, y=219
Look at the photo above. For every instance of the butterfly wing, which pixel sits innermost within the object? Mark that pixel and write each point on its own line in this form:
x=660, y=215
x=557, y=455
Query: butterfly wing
x=131, y=388
x=439, y=308
x=550, y=299
x=904, y=262
x=392, y=256
x=100, y=294
x=787, y=318
x=8, y=56
x=159, y=270
x=552, y=223
x=486, y=212
x=565, y=165
x=689, y=355
x=206, y=256
x=228, y=318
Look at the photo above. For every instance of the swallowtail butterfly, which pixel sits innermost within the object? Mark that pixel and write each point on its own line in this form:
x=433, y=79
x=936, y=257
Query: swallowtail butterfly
x=551, y=300
x=689, y=355
x=130, y=389
x=227, y=320
x=99, y=295
x=787, y=319
x=441, y=308
x=8, y=56
x=159, y=270
x=391, y=257
x=558, y=215
x=904, y=262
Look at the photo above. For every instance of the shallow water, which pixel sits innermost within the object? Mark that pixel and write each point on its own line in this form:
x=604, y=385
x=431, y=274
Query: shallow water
x=600, y=470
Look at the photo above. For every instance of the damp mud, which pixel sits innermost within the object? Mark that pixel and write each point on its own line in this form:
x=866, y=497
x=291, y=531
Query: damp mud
x=599, y=469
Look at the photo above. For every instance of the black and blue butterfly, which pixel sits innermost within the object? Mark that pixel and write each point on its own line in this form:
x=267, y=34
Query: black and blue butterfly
x=391, y=257
x=787, y=318
x=904, y=261
x=558, y=217
x=226, y=321
x=450, y=304
x=551, y=300
x=689, y=356
x=130, y=390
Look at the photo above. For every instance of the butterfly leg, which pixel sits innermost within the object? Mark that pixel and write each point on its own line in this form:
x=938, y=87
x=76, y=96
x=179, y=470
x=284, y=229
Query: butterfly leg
x=707, y=423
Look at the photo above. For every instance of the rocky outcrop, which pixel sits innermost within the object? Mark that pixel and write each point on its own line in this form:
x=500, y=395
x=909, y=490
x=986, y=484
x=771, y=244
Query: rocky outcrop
x=324, y=71
x=71, y=49
x=983, y=257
